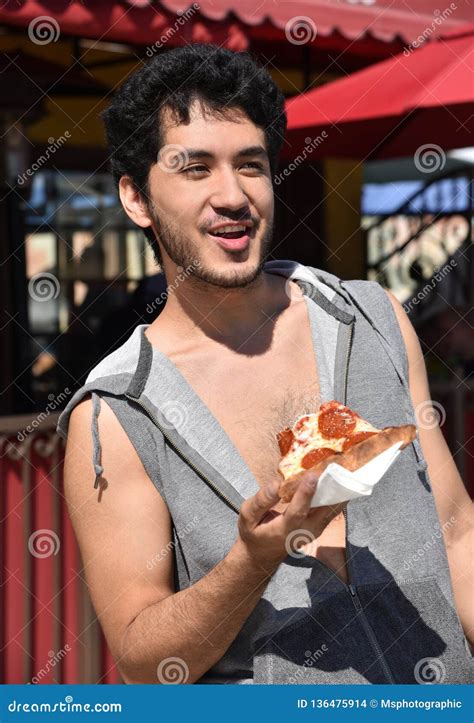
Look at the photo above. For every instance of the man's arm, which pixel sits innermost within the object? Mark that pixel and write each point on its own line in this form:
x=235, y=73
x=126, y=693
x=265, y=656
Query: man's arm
x=455, y=509
x=125, y=537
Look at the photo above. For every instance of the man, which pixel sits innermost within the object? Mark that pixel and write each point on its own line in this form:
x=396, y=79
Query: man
x=190, y=562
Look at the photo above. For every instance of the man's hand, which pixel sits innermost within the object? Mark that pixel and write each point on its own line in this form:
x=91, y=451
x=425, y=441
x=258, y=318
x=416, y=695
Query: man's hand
x=269, y=536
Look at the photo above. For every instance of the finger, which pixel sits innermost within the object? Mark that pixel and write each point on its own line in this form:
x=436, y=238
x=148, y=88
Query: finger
x=255, y=508
x=300, y=505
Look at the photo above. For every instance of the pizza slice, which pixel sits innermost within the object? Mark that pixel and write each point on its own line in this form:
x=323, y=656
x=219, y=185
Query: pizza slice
x=334, y=433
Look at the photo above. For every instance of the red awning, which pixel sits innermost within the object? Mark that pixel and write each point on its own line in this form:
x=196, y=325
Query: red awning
x=392, y=108
x=234, y=23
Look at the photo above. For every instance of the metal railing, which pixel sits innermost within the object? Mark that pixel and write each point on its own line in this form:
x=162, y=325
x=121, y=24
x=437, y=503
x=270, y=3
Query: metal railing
x=49, y=630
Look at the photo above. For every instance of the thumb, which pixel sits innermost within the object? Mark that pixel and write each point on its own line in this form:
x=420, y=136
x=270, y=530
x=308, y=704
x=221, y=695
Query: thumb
x=257, y=506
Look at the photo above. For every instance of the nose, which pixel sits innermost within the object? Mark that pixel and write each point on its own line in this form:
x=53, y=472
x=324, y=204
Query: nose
x=228, y=193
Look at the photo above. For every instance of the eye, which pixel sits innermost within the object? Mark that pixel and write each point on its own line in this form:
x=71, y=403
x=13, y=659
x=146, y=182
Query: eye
x=194, y=170
x=253, y=165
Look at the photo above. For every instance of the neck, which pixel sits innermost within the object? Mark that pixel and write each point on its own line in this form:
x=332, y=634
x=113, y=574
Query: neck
x=202, y=311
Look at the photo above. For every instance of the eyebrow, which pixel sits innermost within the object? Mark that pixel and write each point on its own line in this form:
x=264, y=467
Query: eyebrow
x=193, y=153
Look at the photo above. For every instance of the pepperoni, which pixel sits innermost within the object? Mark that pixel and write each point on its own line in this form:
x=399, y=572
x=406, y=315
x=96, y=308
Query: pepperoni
x=301, y=422
x=329, y=405
x=285, y=440
x=336, y=421
x=355, y=439
x=315, y=456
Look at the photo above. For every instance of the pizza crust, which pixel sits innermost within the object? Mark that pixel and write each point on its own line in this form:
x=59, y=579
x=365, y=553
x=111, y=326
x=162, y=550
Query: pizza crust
x=355, y=456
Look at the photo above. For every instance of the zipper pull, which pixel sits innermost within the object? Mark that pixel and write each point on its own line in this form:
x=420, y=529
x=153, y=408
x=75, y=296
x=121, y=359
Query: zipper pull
x=355, y=599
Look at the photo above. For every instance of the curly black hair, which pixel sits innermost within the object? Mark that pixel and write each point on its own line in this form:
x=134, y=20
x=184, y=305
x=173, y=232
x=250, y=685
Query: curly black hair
x=221, y=79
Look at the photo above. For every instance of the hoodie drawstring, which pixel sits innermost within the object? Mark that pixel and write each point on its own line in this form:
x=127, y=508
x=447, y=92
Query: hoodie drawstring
x=97, y=451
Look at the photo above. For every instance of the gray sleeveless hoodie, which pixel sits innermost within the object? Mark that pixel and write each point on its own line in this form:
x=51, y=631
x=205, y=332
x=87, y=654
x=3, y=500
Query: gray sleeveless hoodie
x=396, y=621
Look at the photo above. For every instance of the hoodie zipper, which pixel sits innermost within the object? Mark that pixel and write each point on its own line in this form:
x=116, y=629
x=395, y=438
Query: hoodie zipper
x=363, y=619
x=186, y=459
x=348, y=353
x=351, y=589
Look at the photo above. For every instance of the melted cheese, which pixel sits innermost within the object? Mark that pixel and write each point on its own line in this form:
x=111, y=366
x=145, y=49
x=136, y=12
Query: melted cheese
x=308, y=437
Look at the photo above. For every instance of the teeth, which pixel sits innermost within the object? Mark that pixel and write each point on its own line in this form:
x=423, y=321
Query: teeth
x=228, y=229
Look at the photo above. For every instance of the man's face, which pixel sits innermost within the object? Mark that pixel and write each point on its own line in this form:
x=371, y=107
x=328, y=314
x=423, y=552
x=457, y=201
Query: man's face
x=211, y=174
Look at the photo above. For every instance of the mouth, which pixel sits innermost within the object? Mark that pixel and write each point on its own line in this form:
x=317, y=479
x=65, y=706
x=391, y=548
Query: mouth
x=232, y=237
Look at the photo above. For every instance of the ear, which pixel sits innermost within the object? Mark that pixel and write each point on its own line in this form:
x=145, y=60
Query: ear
x=133, y=203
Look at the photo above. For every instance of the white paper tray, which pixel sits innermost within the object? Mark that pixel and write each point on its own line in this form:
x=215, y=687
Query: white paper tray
x=337, y=484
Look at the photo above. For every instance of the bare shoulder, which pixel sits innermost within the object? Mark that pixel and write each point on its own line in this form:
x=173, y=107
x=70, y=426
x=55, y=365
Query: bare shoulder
x=123, y=470
x=408, y=332
x=121, y=528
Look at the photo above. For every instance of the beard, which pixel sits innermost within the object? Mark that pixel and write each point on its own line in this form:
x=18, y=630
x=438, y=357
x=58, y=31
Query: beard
x=185, y=253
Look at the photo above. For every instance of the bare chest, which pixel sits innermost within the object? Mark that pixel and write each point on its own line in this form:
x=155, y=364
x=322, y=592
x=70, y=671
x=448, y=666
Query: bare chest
x=253, y=398
x=252, y=408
